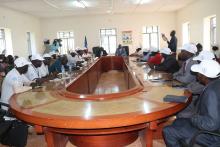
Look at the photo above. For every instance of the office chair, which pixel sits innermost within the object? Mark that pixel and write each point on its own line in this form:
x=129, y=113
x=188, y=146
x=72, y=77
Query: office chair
x=126, y=50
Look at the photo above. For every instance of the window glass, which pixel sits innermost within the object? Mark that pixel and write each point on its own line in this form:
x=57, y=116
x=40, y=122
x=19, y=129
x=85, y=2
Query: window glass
x=150, y=37
x=108, y=40
x=67, y=41
x=213, y=30
x=2, y=40
x=186, y=32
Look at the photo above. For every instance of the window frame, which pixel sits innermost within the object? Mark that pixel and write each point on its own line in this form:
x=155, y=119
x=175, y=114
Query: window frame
x=66, y=35
x=213, y=39
x=188, y=31
x=145, y=32
x=2, y=37
x=107, y=35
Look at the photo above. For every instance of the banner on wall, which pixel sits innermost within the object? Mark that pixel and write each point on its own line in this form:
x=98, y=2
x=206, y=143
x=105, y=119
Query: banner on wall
x=127, y=37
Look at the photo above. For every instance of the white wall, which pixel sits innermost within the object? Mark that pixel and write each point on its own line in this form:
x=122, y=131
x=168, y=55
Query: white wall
x=20, y=23
x=195, y=14
x=90, y=26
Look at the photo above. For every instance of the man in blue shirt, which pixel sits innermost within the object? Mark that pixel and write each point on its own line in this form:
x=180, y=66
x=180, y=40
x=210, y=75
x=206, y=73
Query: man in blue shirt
x=56, y=67
x=120, y=51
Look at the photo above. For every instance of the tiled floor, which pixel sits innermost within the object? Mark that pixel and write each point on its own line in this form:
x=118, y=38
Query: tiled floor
x=38, y=141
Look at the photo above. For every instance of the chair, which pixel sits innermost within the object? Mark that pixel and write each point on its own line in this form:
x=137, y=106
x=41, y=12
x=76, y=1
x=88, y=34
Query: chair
x=96, y=51
x=126, y=50
x=12, y=131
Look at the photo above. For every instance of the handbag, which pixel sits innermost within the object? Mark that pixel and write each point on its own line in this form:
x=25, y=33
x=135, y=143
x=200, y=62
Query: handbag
x=15, y=133
x=4, y=127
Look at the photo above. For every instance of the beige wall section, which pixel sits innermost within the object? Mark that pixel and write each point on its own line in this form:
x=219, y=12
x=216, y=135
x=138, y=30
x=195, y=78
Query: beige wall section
x=20, y=23
x=90, y=26
x=195, y=14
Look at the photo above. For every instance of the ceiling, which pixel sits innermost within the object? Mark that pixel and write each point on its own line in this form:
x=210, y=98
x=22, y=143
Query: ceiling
x=59, y=8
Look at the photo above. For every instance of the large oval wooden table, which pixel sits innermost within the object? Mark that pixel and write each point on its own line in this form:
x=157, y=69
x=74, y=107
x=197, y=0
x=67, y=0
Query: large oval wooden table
x=75, y=110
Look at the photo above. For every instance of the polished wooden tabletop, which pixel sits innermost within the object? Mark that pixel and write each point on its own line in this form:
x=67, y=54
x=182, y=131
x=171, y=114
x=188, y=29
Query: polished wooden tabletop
x=47, y=107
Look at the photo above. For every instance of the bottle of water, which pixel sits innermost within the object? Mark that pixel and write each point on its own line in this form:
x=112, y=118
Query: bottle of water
x=70, y=69
x=63, y=71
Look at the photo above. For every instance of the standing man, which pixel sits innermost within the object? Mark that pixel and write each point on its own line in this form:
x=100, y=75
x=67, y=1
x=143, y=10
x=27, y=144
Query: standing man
x=207, y=114
x=172, y=44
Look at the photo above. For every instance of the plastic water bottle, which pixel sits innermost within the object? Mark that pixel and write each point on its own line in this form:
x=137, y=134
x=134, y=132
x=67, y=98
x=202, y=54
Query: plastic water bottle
x=63, y=71
x=70, y=68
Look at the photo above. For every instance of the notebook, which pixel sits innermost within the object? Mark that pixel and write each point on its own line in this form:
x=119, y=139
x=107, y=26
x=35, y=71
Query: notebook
x=175, y=99
x=180, y=86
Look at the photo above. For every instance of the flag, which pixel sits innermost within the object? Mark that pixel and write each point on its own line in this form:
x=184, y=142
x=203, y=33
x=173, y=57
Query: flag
x=85, y=43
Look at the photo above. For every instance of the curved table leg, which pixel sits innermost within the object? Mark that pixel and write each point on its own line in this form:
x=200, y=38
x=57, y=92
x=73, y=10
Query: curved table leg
x=55, y=139
x=149, y=133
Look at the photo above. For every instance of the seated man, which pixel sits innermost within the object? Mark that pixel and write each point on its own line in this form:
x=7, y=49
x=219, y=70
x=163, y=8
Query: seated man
x=216, y=51
x=199, y=48
x=72, y=59
x=184, y=75
x=169, y=64
x=207, y=116
x=145, y=56
x=43, y=69
x=120, y=51
x=59, y=65
x=86, y=55
x=14, y=81
x=33, y=73
x=195, y=87
x=155, y=57
x=137, y=53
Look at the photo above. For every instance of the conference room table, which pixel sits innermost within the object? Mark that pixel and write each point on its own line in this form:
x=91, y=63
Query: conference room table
x=105, y=104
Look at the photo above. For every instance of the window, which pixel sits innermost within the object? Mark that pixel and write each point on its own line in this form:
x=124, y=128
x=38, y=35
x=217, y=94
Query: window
x=209, y=36
x=31, y=43
x=5, y=41
x=2, y=40
x=150, y=37
x=186, y=32
x=109, y=40
x=67, y=41
x=213, y=30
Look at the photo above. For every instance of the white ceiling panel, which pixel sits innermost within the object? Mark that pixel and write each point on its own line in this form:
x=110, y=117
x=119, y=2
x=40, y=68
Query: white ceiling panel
x=59, y=8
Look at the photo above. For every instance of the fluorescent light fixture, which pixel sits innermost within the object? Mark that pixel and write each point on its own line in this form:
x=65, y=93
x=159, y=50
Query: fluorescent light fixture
x=79, y=4
x=144, y=2
x=141, y=2
x=108, y=11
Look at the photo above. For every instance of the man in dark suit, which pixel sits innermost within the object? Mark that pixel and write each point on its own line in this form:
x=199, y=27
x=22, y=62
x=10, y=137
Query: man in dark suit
x=207, y=114
x=172, y=44
x=184, y=75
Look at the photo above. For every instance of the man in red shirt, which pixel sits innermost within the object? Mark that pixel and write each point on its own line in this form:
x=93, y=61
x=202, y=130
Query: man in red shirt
x=155, y=57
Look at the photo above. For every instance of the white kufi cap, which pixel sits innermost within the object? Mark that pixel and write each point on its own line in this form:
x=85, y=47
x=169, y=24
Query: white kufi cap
x=21, y=61
x=166, y=51
x=208, y=68
x=204, y=55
